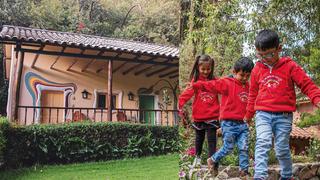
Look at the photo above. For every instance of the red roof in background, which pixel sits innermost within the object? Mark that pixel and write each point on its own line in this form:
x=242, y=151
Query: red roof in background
x=300, y=133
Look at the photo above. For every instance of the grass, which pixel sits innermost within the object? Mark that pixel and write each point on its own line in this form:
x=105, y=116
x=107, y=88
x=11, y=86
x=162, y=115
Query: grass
x=153, y=168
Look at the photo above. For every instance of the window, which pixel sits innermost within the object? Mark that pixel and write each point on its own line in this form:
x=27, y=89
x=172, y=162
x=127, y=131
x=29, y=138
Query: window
x=102, y=101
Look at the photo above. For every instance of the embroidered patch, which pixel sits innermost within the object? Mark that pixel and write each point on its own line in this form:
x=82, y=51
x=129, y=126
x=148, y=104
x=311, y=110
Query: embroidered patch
x=271, y=81
x=243, y=96
x=206, y=97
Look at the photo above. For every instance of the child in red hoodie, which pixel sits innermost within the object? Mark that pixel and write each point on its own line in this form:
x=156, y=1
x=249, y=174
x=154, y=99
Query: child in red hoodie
x=234, y=95
x=205, y=106
x=272, y=96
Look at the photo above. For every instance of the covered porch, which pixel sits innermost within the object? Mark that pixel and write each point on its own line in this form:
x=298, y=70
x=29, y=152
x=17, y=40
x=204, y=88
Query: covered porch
x=57, y=77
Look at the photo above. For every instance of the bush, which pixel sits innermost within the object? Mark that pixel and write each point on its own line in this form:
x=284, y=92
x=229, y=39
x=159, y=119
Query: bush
x=4, y=124
x=79, y=142
x=308, y=119
x=314, y=149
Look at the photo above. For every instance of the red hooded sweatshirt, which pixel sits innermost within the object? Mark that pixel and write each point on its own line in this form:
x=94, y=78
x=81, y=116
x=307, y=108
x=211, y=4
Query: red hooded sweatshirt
x=234, y=96
x=272, y=87
x=205, y=105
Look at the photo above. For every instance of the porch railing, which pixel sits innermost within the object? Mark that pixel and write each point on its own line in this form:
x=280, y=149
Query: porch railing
x=28, y=115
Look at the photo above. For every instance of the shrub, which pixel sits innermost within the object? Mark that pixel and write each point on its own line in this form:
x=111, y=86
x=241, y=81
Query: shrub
x=79, y=142
x=308, y=119
x=4, y=124
x=314, y=149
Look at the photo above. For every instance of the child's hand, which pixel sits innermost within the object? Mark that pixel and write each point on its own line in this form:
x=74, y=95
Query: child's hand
x=318, y=105
x=248, y=121
x=183, y=115
x=189, y=85
x=219, y=132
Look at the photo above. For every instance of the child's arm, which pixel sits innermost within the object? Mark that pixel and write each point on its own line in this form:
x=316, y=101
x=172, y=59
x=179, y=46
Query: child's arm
x=305, y=84
x=253, y=92
x=185, y=96
x=218, y=85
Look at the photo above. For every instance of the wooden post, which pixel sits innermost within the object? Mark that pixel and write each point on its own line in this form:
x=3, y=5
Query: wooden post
x=109, y=116
x=20, y=69
x=16, y=67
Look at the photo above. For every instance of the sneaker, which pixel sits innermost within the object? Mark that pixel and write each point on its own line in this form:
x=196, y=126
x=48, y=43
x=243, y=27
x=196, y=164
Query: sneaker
x=196, y=162
x=212, y=167
x=244, y=174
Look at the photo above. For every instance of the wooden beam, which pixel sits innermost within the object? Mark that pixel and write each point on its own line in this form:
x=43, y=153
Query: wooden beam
x=157, y=71
x=119, y=67
x=99, y=70
x=4, y=63
x=132, y=68
x=76, y=60
x=148, y=68
x=58, y=57
x=169, y=73
x=135, y=66
x=143, y=70
x=109, y=115
x=36, y=57
x=92, y=61
x=99, y=57
x=174, y=76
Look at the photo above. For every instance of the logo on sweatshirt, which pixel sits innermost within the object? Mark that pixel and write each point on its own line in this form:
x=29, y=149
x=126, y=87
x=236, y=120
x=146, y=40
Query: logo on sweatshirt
x=243, y=96
x=271, y=81
x=206, y=97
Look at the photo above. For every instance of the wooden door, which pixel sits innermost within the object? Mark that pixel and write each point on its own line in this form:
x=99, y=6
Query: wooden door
x=147, y=102
x=52, y=99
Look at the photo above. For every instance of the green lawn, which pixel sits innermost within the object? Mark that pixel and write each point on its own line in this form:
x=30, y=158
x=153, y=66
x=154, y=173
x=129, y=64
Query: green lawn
x=161, y=167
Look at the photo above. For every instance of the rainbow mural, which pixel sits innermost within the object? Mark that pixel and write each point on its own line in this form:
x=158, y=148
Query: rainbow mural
x=35, y=84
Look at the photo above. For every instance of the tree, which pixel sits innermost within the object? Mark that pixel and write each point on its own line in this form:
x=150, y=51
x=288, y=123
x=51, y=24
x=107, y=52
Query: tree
x=298, y=24
x=212, y=29
x=15, y=12
x=55, y=15
x=151, y=21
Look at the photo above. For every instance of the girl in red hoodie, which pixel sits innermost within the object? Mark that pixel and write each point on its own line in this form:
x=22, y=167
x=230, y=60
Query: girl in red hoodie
x=205, y=106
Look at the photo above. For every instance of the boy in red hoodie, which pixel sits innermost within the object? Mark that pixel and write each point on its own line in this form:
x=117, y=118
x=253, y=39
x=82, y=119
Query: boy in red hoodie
x=272, y=96
x=234, y=95
x=205, y=106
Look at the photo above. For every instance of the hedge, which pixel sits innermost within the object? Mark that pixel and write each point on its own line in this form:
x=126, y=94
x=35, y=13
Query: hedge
x=80, y=142
x=4, y=125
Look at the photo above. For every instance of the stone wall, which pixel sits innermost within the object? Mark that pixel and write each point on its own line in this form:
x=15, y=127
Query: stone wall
x=301, y=171
x=307, y=171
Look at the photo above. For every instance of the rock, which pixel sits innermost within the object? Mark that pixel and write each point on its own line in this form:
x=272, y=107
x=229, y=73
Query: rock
x=305, y=173
x=273, y=174
x=222, y=176
x=313, y=169
x=232, y=172
x=296, y=169
x=315, y=178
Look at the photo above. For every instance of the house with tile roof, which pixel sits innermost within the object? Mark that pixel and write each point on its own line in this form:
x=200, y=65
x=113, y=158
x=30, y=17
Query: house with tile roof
x=57, y=77
x=300, y=137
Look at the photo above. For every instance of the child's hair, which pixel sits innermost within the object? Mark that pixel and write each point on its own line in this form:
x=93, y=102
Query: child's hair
x=267, y=39
x=195, y=70
x=243, y=64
